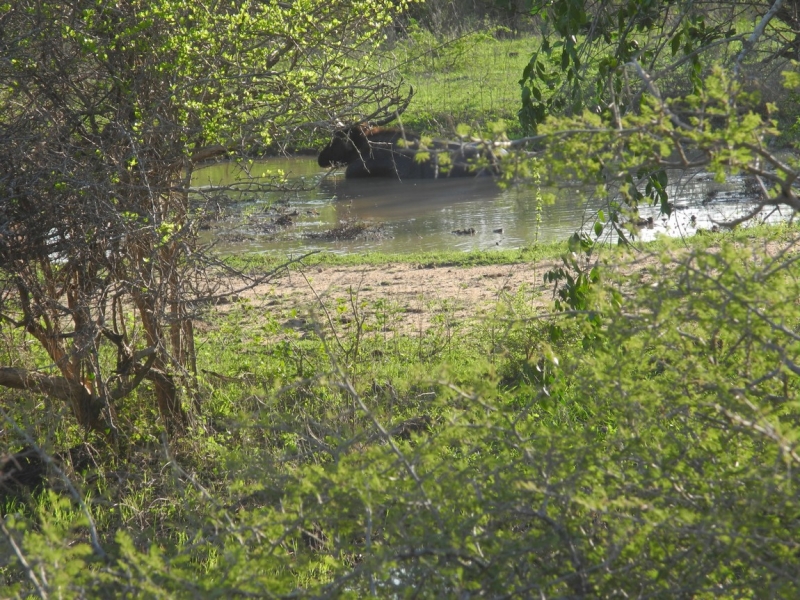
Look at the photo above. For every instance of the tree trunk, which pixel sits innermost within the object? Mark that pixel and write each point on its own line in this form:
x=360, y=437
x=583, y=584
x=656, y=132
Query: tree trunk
x=169, y=404
x=87, y=407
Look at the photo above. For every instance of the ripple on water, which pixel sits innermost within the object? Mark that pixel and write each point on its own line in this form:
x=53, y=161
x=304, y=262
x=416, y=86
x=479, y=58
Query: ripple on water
x=343, y=216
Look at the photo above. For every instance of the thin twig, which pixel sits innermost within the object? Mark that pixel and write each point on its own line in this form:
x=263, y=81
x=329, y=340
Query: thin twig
x=22, y=561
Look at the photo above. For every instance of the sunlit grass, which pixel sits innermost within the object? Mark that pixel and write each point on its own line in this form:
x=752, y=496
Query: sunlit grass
x=471, y=80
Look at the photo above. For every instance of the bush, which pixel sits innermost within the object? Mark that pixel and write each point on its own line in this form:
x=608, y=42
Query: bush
x=658, y=460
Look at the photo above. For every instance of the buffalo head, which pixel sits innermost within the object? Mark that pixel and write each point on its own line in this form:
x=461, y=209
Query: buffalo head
x=363, y=142
x=356, y=142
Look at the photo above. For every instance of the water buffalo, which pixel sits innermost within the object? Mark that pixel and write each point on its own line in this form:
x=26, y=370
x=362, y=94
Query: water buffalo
x=372, y=151
x=26, y=472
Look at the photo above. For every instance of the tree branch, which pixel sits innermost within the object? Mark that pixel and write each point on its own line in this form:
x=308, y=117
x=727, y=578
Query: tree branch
x=57, y=387
x=22, y=561
x=750, y=42
x=141, y=373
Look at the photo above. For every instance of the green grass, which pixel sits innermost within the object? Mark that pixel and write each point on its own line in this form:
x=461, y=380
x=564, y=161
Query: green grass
x=450, y=258
x=472, y=80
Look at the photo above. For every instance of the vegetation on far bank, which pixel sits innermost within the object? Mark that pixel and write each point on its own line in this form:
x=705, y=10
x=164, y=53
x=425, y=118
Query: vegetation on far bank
x=472, y=79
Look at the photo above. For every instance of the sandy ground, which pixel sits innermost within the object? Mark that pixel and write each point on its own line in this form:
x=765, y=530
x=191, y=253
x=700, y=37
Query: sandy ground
x=418, y=293
x=416, y=296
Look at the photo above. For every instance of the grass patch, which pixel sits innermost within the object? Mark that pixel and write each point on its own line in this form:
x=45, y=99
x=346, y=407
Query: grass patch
x=472, y=79
x=326, y=443
x=260, y=262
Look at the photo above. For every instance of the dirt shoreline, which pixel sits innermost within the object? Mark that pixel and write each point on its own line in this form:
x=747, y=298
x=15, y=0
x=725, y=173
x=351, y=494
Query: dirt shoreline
x=417, y=294
x=414, y=294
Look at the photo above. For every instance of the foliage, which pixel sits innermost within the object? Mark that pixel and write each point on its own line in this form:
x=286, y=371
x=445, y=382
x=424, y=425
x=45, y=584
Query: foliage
x=352, y=457
x=720, y=133
x=625, y=91
x=588, y=48
x=104, y=112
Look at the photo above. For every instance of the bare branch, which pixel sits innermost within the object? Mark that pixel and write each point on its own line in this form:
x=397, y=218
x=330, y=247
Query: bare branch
x=749, y=43
x=653, y=89
x=54, y=386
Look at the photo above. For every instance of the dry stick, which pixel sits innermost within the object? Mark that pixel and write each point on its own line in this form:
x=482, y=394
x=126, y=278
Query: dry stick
x=653, y=89
x=732, y=295
x=325, y=310
x=669, y=69
x=345, y=384
x=368, y=548
x=780, y=261
x=21, y=558
x=743, y=219
x=764, y=428
x=95, y=540
x=255, y=281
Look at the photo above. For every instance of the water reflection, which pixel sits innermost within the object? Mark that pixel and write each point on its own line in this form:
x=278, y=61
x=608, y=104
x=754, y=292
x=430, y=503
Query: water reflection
x=423, y=215
x=700, y=203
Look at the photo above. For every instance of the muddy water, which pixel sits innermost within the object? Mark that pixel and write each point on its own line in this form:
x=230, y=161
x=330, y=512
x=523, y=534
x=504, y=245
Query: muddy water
x=411, y=216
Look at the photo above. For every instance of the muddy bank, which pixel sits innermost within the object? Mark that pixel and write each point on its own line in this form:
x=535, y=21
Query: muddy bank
x=417, y=296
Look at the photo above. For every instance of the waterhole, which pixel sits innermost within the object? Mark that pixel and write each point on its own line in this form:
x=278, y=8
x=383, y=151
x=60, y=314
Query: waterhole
x=327, y=212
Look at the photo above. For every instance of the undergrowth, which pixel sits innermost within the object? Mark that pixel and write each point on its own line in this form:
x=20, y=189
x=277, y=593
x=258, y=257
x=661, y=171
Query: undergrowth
x=335, y=451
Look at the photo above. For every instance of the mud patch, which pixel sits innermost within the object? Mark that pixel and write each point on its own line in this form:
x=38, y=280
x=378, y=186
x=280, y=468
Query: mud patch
x=350, y=230
x=418, y=295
